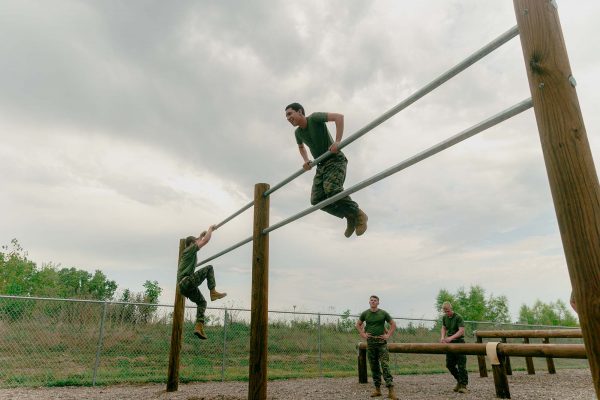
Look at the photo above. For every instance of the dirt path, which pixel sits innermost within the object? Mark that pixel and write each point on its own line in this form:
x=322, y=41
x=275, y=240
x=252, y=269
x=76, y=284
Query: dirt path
x=565, y=385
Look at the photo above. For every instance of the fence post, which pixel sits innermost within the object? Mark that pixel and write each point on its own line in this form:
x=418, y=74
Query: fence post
x=481, y=360
x=529, y=360
x=259, y=321
x=176, y=333
x=99, y=346
x=319, y=345
x=568, y=158
x=550, y=360
x=500, y=379
x=506, y=360
x=224, y=346
x=362, y=365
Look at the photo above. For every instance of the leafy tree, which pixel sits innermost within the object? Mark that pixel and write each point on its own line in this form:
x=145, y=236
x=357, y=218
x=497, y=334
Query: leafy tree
x=474, y=306
x=553, y=313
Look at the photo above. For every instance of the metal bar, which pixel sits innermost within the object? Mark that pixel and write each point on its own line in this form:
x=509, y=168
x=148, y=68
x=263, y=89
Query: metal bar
x=235, y=214
x=99, y=346
x=452, y=72
x=504, y=115
x=319, y=345
x=227, y=250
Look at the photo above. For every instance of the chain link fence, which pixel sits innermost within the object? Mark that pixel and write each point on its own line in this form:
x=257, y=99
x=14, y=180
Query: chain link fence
x=58, y=342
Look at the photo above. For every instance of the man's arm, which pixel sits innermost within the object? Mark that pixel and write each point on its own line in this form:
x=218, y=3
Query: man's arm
x=361, y=329
x=390, y=331
x=338, y=119
x=442, y=339
x=307, y=162
x=203, y=239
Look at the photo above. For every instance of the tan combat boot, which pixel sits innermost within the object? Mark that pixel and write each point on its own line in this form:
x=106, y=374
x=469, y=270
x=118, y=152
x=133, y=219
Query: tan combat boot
x=391, y=394
x=376, y=392
x=350, y=226
x=463, y=389
x=199, y=330
x=361, y=222
x=214, y=295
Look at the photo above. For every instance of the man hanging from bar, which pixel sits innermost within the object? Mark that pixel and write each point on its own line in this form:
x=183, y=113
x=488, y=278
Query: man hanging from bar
x=331, y=172
x=189, y=281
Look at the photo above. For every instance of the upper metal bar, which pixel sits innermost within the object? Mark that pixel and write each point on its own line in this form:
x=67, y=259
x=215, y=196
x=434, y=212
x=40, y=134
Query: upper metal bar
x=235, y=214
x=504, y=115
x=467, y=62
x=227, y=250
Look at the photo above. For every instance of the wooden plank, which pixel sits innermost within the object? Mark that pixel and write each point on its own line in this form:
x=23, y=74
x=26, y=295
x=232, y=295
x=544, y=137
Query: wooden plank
x=176, y=333
x=259, y=315
x=568, y=158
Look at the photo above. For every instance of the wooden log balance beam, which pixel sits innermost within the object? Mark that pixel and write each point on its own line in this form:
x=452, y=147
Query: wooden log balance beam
x=524, y=334
x=479, y=349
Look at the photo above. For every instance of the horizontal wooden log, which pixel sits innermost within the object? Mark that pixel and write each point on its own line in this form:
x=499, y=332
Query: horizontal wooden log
x=504, y=349
x=538, y=333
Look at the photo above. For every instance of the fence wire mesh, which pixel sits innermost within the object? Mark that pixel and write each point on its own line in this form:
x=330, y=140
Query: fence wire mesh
x=56, y=342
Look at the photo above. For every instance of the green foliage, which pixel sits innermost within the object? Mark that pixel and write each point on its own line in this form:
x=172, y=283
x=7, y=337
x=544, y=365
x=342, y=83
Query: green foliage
x=473, y=305
x=541, y=313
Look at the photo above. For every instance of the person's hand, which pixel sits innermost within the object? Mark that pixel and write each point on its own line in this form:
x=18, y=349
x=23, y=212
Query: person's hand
x=385, y=336
x=307, y=165
x=212, y=227
x=334, y=147
x=445, y=340
x=365, y=335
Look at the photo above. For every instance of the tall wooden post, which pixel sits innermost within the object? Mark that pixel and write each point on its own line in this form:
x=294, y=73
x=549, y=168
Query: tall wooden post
x=362, y=365
x=569, y=164
x=506, y=360
x=549, y=360
x=257, y=385
x=176, y=333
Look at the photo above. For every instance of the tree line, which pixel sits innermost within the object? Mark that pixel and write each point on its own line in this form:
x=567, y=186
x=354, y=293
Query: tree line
x=20, y=276
x=474, y=305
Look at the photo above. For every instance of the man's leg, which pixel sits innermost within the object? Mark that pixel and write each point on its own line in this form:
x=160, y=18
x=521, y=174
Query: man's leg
x=373, y=356
x=451, y=365
x=384, y=359
x=191, y=292
x=463, y=375
x=207, y=273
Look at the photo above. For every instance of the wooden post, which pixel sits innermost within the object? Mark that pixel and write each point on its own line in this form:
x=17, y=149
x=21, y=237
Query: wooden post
x=176, y=333
x=568, y=158
x=500, y=380
x=481, y=361
x=506, y=361
x=257, y=385
x=362, y=366
x=529, y=361
x=549, y=360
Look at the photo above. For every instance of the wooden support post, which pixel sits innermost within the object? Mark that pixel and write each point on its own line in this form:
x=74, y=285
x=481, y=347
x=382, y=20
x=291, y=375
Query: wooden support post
x=568, y=158
x=529, y=361
x=506, y=361
x=259, y=322
x=500, y=380
x=176, y=333
x=549, y=360
x=481, y=361
x=362, y=366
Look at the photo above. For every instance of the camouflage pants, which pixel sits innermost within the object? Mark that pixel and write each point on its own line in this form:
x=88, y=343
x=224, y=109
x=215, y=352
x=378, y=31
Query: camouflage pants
x=377, y=353
x=188, y=286
x=457, y=365
x=329, y=181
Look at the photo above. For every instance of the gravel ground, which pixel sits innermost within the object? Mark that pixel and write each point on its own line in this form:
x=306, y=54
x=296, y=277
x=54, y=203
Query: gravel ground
x=565, y=385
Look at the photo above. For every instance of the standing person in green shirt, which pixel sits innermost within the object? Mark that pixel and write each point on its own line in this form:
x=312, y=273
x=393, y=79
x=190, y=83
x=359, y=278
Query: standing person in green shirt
x=331, y=172
x=453, y=331
x=189, y=281
x=371, y=326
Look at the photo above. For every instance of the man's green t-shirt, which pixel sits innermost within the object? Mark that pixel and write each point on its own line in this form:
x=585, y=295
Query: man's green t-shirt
x=316, y=135
x=452, y=324
x=187, y=264
x=375, y=321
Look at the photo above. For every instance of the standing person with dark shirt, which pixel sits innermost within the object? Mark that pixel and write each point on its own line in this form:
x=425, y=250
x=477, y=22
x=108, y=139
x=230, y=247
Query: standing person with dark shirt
x=189, y=281
x=453, y=331
x=331, y=172
x=371, y=326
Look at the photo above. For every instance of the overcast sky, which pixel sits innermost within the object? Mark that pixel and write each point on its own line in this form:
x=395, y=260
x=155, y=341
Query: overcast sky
x=125, y=126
